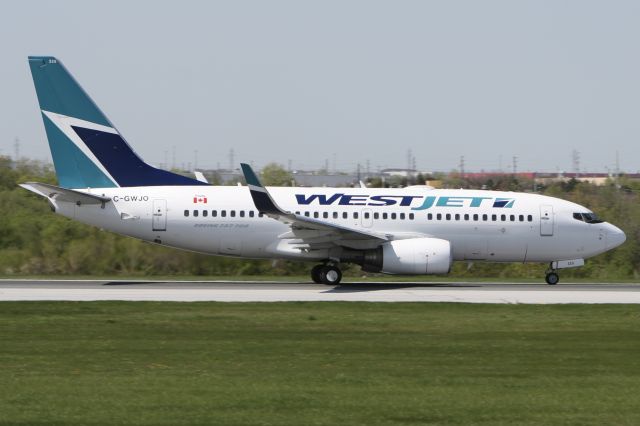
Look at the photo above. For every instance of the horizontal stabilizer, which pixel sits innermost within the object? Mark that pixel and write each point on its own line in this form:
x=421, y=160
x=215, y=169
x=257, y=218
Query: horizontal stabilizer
x=62, y=194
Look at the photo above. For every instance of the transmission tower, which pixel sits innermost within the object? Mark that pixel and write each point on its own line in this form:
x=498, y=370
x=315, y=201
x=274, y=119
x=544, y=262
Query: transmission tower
x=575, y=156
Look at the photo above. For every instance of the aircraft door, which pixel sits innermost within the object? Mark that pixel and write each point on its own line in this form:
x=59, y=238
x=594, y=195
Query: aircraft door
x=367, y=218
x=159, y=215
x=546, y=220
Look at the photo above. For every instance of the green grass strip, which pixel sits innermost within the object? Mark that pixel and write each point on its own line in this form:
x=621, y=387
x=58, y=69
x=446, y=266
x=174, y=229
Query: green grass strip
x=134, y=363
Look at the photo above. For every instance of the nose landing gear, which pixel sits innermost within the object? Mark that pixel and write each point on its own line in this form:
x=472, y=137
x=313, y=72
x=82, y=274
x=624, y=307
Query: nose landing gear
x=326, y=274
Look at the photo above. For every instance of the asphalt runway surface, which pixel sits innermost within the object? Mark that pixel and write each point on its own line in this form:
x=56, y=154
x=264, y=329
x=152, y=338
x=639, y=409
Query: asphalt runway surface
x=254, y=291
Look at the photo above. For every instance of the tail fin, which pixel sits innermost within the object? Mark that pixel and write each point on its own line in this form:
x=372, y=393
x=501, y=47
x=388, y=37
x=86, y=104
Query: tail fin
x=87, y=150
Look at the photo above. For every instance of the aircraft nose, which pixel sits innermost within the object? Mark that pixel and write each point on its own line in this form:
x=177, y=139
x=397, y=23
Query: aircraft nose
x=615, y=237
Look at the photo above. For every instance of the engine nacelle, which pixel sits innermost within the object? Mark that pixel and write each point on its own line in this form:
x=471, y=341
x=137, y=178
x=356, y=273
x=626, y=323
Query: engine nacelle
x=414, y=256
x=417, y=256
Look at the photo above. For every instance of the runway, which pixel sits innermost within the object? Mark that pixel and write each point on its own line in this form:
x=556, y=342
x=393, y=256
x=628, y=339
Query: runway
x=253, y=291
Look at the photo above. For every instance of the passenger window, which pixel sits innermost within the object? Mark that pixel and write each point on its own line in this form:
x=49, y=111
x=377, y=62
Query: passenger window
x=503, y=217
x=485, y=217
x=376, y=215
x=251, y=213
x=260, y=214
x=530, y=218
x=429, y=216
x=411, y=216
x=401, y=216
x=439, y=216
x=214, y=213
x=384, y=216
x=298, y=213
x=512, y=218
x=223, y=213
x=335, y=215
x=366, y=215
x=393, y=216
x=205, y=213
x=325, y=215
x=306, y=214
x=466, y=216
x=355, y=215
x=241, y=213
x=457, y=216
x=494, y=217
x=521, y=218
x=345, y=215
x=195, y=213
x=315, y=215
x=475, y=217
x=186, y=213
x=233, y=213
x=448, y=216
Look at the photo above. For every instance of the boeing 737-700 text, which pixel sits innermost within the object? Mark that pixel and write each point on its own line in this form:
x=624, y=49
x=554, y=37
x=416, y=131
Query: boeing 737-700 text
x=414, y=230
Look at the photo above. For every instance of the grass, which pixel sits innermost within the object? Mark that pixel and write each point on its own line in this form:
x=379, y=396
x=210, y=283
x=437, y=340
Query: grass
x=318, y=364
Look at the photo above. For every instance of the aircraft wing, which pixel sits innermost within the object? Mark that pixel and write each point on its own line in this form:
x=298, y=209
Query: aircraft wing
x=307, y=232
x=63, y=194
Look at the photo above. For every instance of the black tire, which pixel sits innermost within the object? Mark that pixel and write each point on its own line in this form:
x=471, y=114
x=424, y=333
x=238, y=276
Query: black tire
x=552, y=278
x=331, y=275
x=316, y=274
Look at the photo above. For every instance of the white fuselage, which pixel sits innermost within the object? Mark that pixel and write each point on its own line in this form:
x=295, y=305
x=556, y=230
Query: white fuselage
x=222, y=220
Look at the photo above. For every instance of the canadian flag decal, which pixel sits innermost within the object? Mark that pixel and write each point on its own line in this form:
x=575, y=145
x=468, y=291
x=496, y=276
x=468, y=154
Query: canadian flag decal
x=199, y=199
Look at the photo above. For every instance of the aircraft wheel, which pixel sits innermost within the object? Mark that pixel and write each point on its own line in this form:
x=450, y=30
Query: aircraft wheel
x=552, y=278
x=316, y=274
x=331, y=275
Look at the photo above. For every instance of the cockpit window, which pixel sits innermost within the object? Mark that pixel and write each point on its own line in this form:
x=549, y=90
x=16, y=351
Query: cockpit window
x=591, y=218
x=587, y=217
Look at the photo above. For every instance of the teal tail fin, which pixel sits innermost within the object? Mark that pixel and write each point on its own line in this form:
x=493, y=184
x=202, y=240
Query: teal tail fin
x=87, y=150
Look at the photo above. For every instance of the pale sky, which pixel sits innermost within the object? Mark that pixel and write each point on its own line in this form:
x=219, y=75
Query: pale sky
x=341, y=81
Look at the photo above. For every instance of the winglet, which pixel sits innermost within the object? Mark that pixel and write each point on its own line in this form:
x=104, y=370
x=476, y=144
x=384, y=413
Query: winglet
x=261, y=197
x=250, y=176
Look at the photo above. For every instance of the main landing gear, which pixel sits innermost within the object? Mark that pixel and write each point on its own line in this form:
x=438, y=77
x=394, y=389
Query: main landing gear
x=326, y=274
x=552, y=277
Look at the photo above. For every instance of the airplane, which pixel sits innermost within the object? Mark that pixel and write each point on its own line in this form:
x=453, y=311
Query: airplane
x=415, y=230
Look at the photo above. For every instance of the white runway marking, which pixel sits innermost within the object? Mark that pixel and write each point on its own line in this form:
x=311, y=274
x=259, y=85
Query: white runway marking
x=288, y=292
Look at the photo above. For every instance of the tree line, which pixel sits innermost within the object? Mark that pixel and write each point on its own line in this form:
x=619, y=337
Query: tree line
x=34, y=241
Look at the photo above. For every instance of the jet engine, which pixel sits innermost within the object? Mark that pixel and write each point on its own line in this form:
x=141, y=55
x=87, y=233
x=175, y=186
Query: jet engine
x=415, y=256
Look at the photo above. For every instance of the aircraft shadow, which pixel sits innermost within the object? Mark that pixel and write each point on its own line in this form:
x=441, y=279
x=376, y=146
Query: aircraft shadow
x=130, y=283
x=361, y=287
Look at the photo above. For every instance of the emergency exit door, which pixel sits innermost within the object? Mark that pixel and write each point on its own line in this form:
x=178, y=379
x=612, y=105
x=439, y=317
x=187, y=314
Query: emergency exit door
x=159, y=216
